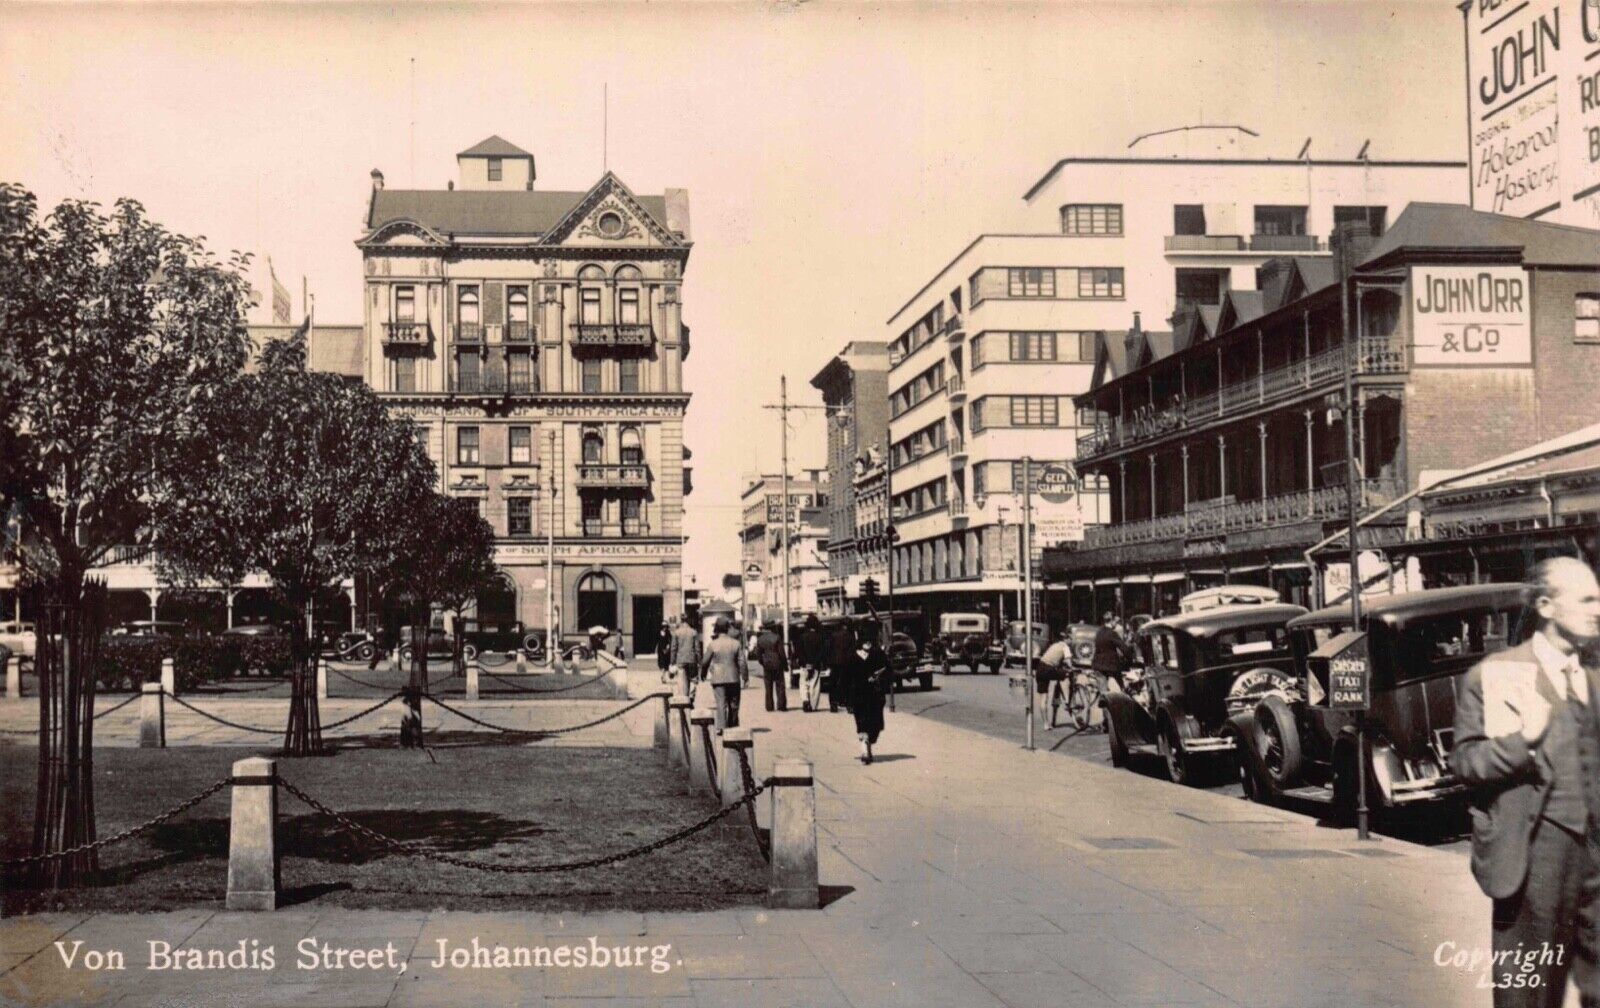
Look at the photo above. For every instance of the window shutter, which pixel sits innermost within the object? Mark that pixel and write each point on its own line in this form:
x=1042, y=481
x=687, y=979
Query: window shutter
x=494, y=303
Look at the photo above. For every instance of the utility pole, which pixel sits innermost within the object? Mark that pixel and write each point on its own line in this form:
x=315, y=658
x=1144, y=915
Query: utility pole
x=550, y=644
x=1352, y=496
x=1027, y=586
x=783, y=409
x=893, y=535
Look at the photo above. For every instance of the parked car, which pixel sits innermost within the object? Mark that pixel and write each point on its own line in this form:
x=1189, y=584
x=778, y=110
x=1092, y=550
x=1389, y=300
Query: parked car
x=1221, y=595
x=968, y=639
x=352, y=645
x=439, y=644
x=151, y=628
x=1417, y=646
x=477, y=637
x=1197, y=672
x=19, y=638
x=1016, y=643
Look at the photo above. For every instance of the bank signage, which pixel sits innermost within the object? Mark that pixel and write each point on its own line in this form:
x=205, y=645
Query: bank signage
x=1470, y=316
x=1533, y=108
x=536, y=553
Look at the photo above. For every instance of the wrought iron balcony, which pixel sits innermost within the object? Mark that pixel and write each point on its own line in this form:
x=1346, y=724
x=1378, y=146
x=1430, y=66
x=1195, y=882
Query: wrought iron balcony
x=1205, y=243
x=611, y=476
x=405, y=334
x=520, y=332
x=628, y=528
x=131, y=554
x=1219, y=518
x=612, y=336
x=469, y=332
x=958, y=507
x=491, y=377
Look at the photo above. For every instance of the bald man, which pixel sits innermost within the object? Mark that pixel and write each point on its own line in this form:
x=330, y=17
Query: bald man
x=1528, y=741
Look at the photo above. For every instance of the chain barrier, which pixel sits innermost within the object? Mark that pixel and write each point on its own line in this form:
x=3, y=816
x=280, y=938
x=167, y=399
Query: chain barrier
x=19, y=731
x=506, y=658
x=763, y=842
x=222, y=720
x=98, y=715
x=359, y=682
x=403, y=847
x=361, y=714
x=711, y=760
x=544, y=731
x=559, y=689
x=177, y=809
x=683, y=735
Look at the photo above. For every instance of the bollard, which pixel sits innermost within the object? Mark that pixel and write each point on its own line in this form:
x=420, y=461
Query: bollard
x=13, y=676
x=661, y=733
x=169, y=676
x=322, y=678
x=472, y=679
x=731, y=779
x=253, y=836
x=522, y=663
x=793, y=884
x=152, y=717
x=699, y=728
x=678, y=718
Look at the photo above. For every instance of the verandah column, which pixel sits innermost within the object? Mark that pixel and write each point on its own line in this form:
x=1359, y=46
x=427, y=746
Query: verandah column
x=1311, y=457
x=1261, y=426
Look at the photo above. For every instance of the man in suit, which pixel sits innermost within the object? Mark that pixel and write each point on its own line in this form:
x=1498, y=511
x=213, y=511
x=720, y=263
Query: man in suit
x=686, y=655
x=1527, y=739
x=774, y=664
x=725, y=667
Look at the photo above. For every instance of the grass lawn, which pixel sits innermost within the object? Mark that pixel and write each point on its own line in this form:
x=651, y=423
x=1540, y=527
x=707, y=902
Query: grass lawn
x=497, y=804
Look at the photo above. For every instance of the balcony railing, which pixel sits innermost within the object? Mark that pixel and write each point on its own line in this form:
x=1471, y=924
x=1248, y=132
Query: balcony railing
x=1205, y=243
x=1284, y=243
x=953, y=327
x=957, y=445
x=405, y=333
x=955, y=387
x=519, y=332
x=131, y=554
x=491, y=378
x=599, y=475
x=1220, y=518
x=1378, y=355
x=958, y=507
x=469, y=332
x=612, y=335
x=630, y=528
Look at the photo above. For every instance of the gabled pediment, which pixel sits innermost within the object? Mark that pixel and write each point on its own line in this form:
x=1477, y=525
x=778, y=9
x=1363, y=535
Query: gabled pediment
x=609, y=214
x=402, y=233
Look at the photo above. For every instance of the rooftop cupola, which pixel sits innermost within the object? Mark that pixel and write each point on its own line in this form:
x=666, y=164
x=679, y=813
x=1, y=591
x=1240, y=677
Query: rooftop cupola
x=495, y=163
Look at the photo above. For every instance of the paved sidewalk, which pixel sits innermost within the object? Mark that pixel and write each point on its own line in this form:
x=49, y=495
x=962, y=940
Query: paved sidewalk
x=960, y=871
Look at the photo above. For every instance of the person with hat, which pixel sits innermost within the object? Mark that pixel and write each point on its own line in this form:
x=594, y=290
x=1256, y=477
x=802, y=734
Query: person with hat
x=725, y=668
x=774, y=665
x=865, y=687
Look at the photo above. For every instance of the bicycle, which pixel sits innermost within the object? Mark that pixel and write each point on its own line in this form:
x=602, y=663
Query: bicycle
x=1083, y=696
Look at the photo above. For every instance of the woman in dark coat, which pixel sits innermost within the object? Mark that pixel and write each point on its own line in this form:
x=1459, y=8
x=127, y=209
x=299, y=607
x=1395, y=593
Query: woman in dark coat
x=864, y=688
x=664, y=650
x=840, y=654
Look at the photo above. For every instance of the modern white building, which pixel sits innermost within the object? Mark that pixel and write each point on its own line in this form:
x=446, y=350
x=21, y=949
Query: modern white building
x=986, y=356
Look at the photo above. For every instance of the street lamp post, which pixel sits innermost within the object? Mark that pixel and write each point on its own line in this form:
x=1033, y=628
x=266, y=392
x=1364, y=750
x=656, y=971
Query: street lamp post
x=550, y=644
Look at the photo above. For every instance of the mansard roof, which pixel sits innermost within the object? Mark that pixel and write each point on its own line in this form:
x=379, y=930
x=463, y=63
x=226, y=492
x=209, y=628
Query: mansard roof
x=524, y=213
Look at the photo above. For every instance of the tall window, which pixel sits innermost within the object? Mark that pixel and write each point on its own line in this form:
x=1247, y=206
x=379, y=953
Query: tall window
x=628, y=305
x=975, y=416
x=631, y=446
x=1100, y=282
x=593, y=516
x=405, y=374
x=591, y=376
x=522, y=446
x=976, y=343
x=1033, y=346
x=520, y=365
x=629, y=378
x=467, y=306
x=495, y=169
x=632, y=515
x=519, y=516
x=1586, y=317
x=1091, y=219
x=405, y=304
x=517, y=306
x=466, y=446
x=594, y=447
x=589, y=309
x=1034, y=411
x=1031, y=283
x=469, y=370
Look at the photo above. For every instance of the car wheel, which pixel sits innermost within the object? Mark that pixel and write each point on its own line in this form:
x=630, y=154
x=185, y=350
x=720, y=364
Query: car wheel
x=994, y=668
x=470, y=652
x=1119, y=748
x=405, y=654
x=944, y=667
x=1171, y=749
x=366, y=651
x=1280, y=741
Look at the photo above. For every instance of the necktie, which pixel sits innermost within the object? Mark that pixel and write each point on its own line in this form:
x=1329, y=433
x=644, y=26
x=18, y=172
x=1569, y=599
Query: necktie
x=1573, y=671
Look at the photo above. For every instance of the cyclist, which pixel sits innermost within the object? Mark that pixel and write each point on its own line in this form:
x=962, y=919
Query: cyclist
x=1050, y=673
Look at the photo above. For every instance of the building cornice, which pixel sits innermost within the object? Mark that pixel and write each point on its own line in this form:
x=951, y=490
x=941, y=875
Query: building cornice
x=1055, y=169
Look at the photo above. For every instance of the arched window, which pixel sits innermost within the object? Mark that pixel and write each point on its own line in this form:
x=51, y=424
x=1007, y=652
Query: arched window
x=594, y=447
x=632, y=446
x=597, y=601
x=496, y=605
x=517, y=305
x=589, y=284
x=467, y=306
x=628, y=294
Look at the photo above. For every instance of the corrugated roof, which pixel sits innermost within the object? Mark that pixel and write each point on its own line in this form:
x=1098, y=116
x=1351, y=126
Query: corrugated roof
x=486, y=212
x=495, y=146
x=1451, y=226
x=336, y=350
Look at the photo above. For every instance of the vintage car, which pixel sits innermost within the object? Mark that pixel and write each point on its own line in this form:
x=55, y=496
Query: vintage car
x=967, y=639
x=439, y=644
x=1195, y=673
x=352, y=645
x=507, y=638
x=1415, y=647
x=19, y=638
x=1016, y=643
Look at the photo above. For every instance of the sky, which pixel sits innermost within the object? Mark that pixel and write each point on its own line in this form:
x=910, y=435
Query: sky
x=836, y=155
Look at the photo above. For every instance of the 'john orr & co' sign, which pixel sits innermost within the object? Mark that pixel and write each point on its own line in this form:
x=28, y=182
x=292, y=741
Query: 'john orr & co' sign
x=1465, y=316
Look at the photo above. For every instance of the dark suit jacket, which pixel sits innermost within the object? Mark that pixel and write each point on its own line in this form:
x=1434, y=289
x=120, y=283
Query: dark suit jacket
x=1512, y=781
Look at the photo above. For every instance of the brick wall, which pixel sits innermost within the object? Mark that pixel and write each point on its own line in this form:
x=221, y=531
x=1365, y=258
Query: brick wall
x=1566, y=371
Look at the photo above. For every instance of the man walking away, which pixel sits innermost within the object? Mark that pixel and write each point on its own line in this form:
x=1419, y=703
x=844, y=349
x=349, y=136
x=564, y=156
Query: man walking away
x=811, y=648
x=686, y=653
x=1528, y=741
x=774, y=666
x=725, y=668
x=841, y=654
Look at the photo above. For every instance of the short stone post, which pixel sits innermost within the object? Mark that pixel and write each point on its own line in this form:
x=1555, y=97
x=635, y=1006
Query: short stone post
x=793, y=884
x=322, y=678
x=661, y=733
x=700, y=723
x=731, y=779
x=678, y=720
x=169, y=676
x=253, y=836
x=472, y=679
x=152, y=716
x=13, y=665
x=522, y=662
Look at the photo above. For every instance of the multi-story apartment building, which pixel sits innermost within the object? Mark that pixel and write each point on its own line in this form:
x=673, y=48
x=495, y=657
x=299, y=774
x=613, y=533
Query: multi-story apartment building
x=871, y=513
x=854, y=387
x=986, y=357
x=761, y=543
x=537, y=341
x=1223, y=443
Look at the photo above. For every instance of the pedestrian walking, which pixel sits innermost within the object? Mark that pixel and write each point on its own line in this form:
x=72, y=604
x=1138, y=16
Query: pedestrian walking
x=810, y=652
x=774, y=665
x=866, y=686
x=725, y=668
x=1528, y=742
x=841, y=654
x=664, y=649
x=686, y=654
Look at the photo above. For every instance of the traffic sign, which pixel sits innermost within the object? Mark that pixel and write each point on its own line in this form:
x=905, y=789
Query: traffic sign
x=1057, y=483
x=752, y=572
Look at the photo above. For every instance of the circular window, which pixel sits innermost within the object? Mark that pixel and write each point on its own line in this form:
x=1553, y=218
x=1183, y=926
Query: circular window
x=610, y=224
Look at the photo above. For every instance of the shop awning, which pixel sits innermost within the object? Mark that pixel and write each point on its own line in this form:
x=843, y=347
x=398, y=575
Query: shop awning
x=1206, y=573
x=1292, y=565
x=1166, y=578
x=1247, y=570
x=1083, y=584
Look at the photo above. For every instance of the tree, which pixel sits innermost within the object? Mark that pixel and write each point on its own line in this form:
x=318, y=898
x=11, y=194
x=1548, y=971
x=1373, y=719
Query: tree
x=307, y=486
x=116, y=337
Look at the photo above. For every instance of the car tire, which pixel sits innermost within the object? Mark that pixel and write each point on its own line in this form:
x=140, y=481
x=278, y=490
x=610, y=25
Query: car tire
x=1179, y=770
x=469, y=652
x=1280, y=741
x=405, y=655
x=1119, y=748
x=366, y=651
x=925, y=680
x=994, y=668
x=944, y=667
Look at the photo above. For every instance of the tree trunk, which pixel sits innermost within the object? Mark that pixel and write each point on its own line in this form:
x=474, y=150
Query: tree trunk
x=411, y=726
x=303, y=736
x=70, y=623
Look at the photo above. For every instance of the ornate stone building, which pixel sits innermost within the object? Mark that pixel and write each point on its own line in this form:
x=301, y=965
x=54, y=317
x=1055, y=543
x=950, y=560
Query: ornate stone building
x=537, y=341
